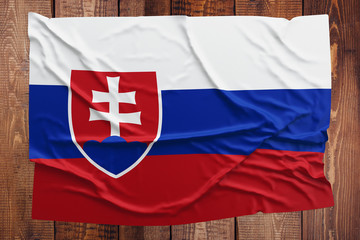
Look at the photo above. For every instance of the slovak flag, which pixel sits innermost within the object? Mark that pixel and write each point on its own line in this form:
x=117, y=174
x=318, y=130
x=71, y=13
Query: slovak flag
x=174, y=119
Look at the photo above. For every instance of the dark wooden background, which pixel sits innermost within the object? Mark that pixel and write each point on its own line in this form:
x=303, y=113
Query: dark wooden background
x=342, y=163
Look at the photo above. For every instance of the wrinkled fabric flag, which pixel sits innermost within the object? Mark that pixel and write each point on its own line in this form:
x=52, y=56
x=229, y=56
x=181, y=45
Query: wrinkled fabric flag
x=174, y=119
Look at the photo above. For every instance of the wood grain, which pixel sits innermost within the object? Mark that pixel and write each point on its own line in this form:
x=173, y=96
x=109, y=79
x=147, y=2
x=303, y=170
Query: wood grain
x=16, y=179
x=219, y=229
x=144, y=7
x=202, y=7
x=269, y=226
x=275, y=225
x=70, y=231
x=146, y=233
x=85, y=8
x=342, y=163
x=271, y=8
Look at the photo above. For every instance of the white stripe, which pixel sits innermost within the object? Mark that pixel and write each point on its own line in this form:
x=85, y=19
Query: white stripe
x=231, y=53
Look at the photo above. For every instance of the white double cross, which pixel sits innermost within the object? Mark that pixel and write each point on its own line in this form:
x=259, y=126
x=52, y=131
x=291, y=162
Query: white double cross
x=113, y=97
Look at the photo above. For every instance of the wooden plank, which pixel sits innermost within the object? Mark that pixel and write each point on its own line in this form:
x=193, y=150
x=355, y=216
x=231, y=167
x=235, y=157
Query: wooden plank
x=16, y=179
x=157, y=7
x=341, y=158
x=132, y=8
x=275, y=225
x=85, y=8
x=146, y=233
x=269, y=226
x=203, y=8
x=144, y=8
x=70, y=231
x=219, y=229
x=274, y=8
x=225, y=228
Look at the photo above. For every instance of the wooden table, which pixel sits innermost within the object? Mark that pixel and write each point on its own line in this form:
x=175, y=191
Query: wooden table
x=342, y=161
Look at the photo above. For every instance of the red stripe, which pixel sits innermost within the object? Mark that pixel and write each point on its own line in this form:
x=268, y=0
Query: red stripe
x=176, y=189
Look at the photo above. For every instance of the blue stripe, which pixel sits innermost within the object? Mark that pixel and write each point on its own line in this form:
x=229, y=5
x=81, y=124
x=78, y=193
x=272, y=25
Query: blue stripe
x=48, y=123
x=294, y=120
x=201, y=121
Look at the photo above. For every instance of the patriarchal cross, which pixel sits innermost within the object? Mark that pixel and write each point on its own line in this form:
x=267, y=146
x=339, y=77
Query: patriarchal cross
x=113, y=97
